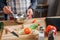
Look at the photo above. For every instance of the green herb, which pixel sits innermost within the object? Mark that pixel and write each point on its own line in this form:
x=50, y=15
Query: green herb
x=1, y=25
x=34, y=26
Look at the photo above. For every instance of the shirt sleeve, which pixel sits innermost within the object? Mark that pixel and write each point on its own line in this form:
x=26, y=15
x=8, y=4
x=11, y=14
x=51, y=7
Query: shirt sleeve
x=33, y=4
x=2, y=3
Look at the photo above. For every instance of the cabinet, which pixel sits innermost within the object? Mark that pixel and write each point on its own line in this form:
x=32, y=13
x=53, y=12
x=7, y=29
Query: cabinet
x=42, y=9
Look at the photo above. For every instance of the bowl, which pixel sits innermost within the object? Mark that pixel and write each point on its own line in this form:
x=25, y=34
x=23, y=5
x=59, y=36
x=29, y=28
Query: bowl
x=19, y=20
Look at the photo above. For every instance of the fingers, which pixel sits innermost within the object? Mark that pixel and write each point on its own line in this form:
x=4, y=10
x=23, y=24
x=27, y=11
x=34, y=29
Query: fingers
x=9, y=29
x=7, y=10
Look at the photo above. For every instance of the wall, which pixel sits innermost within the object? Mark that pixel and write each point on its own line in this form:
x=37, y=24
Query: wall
x=58, y=10
x=52, y=9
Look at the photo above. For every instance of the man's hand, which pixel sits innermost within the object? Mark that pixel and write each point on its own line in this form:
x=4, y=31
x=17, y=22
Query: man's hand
x=29, y=13
x=7, y=10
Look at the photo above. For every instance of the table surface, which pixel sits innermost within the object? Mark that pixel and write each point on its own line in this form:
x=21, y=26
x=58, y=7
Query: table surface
x=12, y=24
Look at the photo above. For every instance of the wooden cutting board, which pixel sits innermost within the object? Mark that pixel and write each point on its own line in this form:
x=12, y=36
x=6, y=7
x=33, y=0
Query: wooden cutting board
x=13, y=25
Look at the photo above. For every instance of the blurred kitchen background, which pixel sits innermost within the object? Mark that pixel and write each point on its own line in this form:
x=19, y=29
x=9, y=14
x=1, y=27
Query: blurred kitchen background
x=45, y=8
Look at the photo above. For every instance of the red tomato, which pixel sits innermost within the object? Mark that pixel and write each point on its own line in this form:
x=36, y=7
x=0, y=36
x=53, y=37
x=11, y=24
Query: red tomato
x=27, y=30
x=34, y=21
x=49, y=27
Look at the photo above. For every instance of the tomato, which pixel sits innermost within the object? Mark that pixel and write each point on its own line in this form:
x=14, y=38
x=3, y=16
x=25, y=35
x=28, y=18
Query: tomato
x=49, y=27
x=34, y=21
x=27, y=30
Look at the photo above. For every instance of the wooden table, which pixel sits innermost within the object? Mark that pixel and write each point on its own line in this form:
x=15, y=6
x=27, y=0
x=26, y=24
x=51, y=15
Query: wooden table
x=9, y=36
